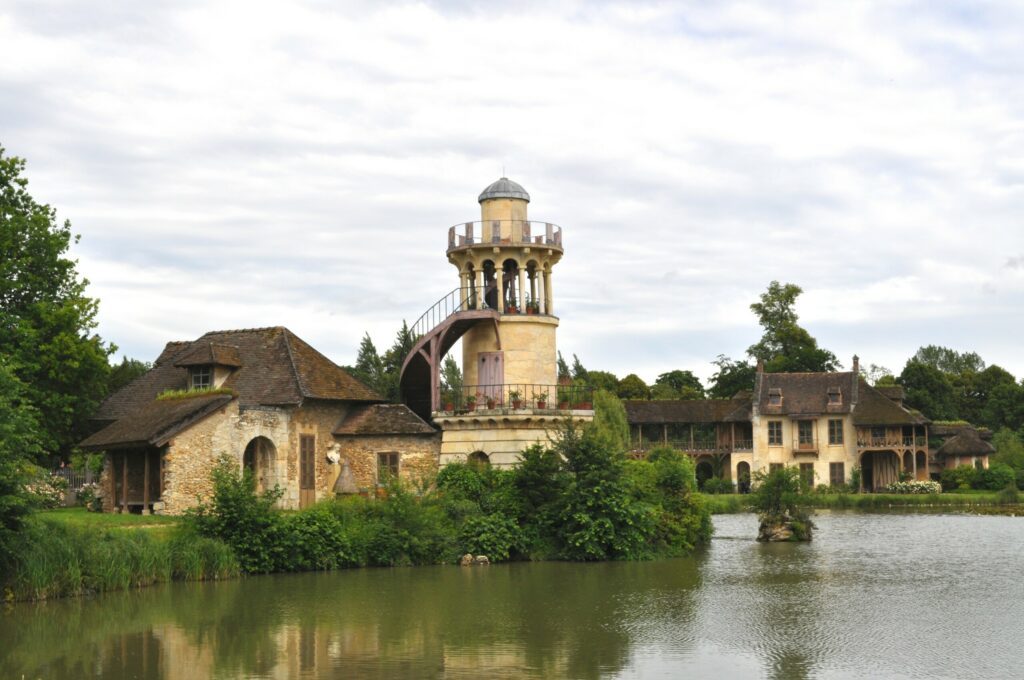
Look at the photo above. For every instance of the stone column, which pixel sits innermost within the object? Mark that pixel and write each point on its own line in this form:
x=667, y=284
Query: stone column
x=539, y=275
x=501, y=289
x=547, y=293
x=480, y=292
x=522, y=289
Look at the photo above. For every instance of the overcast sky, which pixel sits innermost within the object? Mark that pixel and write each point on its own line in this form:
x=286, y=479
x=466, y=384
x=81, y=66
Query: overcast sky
x=241, y=164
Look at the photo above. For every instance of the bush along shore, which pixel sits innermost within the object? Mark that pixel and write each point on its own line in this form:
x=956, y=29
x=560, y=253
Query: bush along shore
x=578, y=500
x=736, y=503
x=581, y=499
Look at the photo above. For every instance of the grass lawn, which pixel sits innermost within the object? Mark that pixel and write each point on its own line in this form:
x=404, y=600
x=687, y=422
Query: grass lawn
x=80, y=517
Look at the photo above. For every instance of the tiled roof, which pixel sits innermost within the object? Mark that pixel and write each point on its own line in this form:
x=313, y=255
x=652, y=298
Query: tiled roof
x=209, y=354
x=894, y=392
x=967, y=443
x=804, y=393
x=383, y=419
x=277, y=368
x=874, y=408
x=687, y=411
x=156, y=422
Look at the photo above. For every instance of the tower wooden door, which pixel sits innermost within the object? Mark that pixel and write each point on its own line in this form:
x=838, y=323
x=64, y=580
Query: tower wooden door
x=492, y=374
x=307, y=470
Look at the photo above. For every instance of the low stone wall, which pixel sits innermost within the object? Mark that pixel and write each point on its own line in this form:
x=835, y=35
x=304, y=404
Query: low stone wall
x=418, y=456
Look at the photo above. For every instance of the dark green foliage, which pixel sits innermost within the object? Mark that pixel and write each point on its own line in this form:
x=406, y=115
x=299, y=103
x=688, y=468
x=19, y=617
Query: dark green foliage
x=632, y=387
x=46, y=321
x=785, y=345
x=948, y=360
x=677, y=385
x=960, y=477
x=123, y=373
x=19, y=437
x=603, y=380
x=496, y=535
x=731, y=377
x=563, y=369
x=451, y=380
x=995, y=478
x=242, y=518
x=929, y=390
x=369, y=366
x=780, y=497
x=717, y=485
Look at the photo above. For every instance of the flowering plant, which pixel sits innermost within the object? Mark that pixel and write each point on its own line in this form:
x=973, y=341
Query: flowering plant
x=914, y=487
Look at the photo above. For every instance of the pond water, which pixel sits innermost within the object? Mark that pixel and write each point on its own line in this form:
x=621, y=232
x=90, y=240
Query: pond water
x=874, y=596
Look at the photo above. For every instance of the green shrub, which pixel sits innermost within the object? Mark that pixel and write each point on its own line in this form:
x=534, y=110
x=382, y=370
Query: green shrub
x=716, y=485
x=995, y=478
x=460, y=480
x=1009, y=495
x=497, y=536
x=961, y=477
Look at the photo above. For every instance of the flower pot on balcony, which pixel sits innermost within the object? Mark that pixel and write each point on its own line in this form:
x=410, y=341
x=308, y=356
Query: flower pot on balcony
x=585, y=406
x=517, y=403
x=449, y=406
x=541, y=403
x=490, y=403
x=563, y=406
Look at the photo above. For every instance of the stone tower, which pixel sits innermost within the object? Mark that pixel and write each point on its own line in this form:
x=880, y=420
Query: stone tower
x=503, y=310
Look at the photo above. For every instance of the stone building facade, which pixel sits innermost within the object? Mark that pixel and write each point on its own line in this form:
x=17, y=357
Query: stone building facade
x=264, y=399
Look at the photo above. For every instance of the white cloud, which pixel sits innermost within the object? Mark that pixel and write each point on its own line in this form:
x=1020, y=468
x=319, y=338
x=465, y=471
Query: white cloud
x=241, y=164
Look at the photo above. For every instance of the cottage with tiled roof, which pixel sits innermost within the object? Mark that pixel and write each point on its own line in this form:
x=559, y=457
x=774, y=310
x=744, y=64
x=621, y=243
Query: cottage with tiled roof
x=265, y=398
x=826, y=423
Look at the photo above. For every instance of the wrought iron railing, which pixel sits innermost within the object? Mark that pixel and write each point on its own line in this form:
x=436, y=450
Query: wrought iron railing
x=499, y=232
x=517, y=396
x=890, y=442
x=698, y=446
x=76, y=479
x=450, y=303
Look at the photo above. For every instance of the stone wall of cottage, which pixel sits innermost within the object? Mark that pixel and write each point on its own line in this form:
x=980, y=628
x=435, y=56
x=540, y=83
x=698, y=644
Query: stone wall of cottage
x=418, y=456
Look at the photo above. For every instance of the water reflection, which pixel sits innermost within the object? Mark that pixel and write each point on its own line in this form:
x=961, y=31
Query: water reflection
x=874, y=595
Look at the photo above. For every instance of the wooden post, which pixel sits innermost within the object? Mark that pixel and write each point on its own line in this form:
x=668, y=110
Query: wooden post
x=691, y=436
x=664, y=433
x=124, y=482
x=145, y=484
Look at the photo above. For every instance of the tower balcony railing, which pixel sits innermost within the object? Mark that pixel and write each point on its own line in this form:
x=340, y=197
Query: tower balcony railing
x=504, y=232
x=511, y=397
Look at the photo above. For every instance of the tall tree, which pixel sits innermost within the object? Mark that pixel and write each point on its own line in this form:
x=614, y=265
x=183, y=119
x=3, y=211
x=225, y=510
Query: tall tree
x=123, y=373
x=929, y=390
x=785, y=345
x=393, y=359
x=369, y=366
x=603, y=380
x=578, y=372
x=563, y=369
x=610, y=423
x=47, y=322
x=451, y=379
x=19, y=444
x=677, y=384
x=633, y=387
x=949, y=360
x=731, y=377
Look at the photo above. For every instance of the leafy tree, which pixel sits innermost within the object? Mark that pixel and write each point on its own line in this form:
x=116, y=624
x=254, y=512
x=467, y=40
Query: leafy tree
x=948, y=360
x=603, y=380
x=731, y=377
x=369, y=366
x=632, y=387
x=578, y=372
x=785, y=345
x=123, y=373
x=877, y=375
x=563, y=369
x=451, y=378
x=998, y=399
x=393, y=359
x=1009, y=448
x=610, y=423
x=929, y=390
x=19, y=443
x=677, y=385
x=46, y=320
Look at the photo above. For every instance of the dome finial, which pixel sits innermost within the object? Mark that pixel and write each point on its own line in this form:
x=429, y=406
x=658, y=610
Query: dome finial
x=504, y=188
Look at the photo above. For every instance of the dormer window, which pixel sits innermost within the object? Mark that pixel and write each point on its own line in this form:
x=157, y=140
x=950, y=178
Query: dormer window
x=775, y=396
x=835, y=397
x=200, y=377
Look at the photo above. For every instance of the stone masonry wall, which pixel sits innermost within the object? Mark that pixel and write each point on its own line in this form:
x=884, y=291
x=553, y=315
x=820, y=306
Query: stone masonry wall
x=418, y=456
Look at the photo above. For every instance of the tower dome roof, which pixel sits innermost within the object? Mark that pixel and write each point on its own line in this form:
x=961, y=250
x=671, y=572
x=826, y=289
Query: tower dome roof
x=504, y=188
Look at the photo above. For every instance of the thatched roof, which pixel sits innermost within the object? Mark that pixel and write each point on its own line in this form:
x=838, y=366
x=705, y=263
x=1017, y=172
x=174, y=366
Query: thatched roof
x=966, y=443
x=274, y=368
x=383, y=419
x=156, y=422
x=687, y=411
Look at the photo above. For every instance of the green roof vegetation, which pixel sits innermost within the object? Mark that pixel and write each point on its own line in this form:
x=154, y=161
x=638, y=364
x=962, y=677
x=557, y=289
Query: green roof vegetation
x=191, y=394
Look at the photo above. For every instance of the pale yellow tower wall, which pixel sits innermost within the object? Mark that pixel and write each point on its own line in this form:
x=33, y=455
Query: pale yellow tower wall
x=528, y=349
x=506, y=210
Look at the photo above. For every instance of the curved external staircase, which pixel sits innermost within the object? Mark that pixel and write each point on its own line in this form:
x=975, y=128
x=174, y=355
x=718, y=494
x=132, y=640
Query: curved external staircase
x=433, y=334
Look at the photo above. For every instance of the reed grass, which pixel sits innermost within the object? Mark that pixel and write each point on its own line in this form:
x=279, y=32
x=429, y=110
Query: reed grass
x=56, y=559
x=721, y=504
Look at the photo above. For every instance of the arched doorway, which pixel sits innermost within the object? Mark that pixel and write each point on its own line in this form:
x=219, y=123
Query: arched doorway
x=743, y=477
x=705, y=471
x=908, y=462
x=922, y=466
x=260, y=458
x=879, y=469
x=478, y=459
